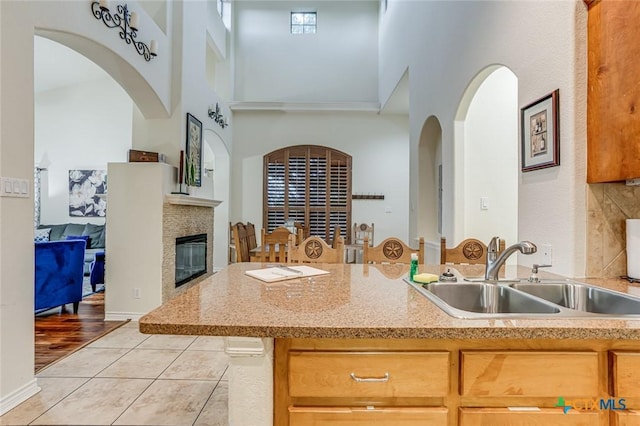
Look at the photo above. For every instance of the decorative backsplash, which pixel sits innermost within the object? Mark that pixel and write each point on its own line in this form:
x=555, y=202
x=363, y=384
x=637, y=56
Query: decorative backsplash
x=608, y=206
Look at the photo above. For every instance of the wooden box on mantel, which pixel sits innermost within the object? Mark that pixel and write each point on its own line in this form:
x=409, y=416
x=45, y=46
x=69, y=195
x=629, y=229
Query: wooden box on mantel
x=143, y=156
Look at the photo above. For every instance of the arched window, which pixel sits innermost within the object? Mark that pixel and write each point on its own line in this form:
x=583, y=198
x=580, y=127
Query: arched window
x=311, y=185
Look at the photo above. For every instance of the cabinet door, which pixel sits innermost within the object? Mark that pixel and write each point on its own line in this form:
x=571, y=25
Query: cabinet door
x=528, y=373
x=613, y=96
x=539, y=417
x=362, y=416
x=626, y=418
x=379, y=374
x=626, y=374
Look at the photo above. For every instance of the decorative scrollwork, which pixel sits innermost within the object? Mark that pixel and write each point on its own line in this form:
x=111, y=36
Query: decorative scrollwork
x=313, y=249
x=472, y=250
x=122, y=21
x=216, y=116
x=392, y=249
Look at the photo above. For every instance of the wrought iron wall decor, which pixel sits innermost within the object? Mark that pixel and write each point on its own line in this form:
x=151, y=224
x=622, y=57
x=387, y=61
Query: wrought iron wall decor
x=127, y=22
x=216, y=116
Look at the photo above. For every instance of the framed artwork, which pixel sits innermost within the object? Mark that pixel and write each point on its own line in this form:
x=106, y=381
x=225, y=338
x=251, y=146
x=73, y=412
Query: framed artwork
x=193, y=160
x=540, y=126
x=88, y=193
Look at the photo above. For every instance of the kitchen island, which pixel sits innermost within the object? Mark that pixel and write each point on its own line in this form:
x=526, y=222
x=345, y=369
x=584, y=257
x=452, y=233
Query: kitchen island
x=293, y=345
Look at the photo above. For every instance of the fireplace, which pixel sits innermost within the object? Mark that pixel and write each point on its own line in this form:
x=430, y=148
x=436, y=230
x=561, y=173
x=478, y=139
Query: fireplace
x=191, y=258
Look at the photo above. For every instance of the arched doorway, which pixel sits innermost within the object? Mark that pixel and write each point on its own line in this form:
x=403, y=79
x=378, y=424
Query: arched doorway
x=220, y=160
x=430, y=187
x=486, y=158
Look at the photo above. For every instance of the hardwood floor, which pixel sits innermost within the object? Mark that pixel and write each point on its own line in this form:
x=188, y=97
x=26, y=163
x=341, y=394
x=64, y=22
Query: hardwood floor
x=57, y=333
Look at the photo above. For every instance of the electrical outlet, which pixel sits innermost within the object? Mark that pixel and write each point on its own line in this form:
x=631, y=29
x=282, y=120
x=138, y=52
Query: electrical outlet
x=545, y=251
x=137, y=293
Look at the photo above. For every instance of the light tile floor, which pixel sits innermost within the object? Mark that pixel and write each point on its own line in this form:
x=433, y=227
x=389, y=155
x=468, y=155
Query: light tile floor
x=130, y=378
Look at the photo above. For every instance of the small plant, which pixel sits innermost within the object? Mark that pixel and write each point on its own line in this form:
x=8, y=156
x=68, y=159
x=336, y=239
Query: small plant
x=190, y=175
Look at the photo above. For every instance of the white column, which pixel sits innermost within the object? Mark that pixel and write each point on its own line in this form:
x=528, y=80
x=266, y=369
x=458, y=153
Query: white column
x=250, y=381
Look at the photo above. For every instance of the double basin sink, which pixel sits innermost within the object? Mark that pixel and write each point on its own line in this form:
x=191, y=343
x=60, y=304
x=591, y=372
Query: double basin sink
x=546, y=299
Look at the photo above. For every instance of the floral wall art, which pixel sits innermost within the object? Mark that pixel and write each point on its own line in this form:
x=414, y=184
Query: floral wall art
x=88, y=193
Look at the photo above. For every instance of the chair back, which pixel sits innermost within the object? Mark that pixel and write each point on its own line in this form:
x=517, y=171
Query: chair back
x=360, y=231
x=240, y=238
x=470, y=251
x=251, y=235
x=301, y=232
x=391, y=250
x=336, y=236
x=315, y=250
x=274, y=243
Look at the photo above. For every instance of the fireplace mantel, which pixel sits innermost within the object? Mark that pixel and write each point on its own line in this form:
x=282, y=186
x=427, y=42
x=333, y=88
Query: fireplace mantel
x=186, y=200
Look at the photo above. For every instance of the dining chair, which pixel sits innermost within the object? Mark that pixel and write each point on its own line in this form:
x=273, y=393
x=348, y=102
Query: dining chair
x=391, y=250
x=336, y=236
x=232, y=245
x=274, y=245
x=470, y=251
x=302, y=232
x=315, y=250
x=360, y=232
x=251, y=235
x=240, y=239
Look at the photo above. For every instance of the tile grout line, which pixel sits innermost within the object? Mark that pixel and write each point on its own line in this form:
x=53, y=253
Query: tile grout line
x=210, y=396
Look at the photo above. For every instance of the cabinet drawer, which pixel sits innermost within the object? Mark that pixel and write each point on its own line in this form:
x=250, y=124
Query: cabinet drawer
x=626, y=374
x=626, y=418
x=541, y=417
x=358, y=374
x=361, y=416
x=544, y=374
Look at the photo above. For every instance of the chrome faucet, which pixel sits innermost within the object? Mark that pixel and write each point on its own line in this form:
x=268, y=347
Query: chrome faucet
x=495, y=261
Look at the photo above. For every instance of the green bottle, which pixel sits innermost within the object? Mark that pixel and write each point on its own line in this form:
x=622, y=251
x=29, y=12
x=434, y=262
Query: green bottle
x=414, y=265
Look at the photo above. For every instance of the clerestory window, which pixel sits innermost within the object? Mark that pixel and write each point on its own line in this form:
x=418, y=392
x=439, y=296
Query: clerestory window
x=311, y=185
x=303, y=22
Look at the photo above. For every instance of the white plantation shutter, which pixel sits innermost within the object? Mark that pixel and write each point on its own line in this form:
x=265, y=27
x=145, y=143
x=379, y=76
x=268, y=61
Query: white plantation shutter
x=311, y=185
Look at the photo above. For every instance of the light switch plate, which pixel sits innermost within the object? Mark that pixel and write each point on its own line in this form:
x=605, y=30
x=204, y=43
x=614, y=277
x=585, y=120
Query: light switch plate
x=14, y=187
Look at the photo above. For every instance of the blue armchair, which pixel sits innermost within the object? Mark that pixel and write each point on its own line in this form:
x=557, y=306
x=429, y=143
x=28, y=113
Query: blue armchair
x=59, y=269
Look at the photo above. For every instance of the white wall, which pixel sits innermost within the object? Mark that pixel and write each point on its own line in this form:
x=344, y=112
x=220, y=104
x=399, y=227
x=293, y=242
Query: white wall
x=491, y=160
x=83, y=126
x=377, y=143
x=338, y=64
x=157, y=89
x=445, y=44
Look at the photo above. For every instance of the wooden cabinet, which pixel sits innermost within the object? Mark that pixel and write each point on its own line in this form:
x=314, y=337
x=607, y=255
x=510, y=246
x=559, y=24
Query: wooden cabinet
x=625, y=368
x=464, y=382
x=626, y=418
x=366, y=416
x=528, y=374
x=533, y=417
x=348, y=383
x=613, y=97
x=373, y=374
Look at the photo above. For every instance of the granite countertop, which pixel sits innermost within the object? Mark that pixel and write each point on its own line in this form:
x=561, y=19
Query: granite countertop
x=357, y=301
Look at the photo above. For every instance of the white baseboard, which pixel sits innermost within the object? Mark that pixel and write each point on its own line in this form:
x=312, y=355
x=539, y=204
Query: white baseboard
x=123, y=316
x=19, y=396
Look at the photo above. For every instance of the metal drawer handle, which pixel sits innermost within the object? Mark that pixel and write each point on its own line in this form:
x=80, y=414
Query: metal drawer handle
x=385, y=378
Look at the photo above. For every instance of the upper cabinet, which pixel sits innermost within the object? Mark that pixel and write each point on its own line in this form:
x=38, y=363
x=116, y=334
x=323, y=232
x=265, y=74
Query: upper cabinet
x=613, y=99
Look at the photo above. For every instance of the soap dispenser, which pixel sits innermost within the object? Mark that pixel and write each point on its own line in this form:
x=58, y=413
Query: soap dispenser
x=414, y=266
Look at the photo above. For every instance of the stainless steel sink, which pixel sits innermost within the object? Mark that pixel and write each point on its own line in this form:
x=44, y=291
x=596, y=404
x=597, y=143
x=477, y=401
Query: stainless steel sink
x=583, y=297
x=547, y=299
x=482, y=300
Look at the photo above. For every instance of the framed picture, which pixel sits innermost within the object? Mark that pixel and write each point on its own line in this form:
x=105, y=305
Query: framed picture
x=540, y=128
x=193, y=160
x=88, y=193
